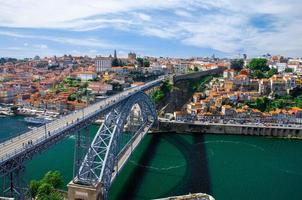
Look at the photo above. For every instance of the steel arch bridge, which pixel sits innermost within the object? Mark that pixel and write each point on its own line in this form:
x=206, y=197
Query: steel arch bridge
x=104, y=154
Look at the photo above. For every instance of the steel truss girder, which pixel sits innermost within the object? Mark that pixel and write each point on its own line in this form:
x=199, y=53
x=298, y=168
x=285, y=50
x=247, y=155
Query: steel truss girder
x=14, y=185
x=99, y=162
x=15, y=163
x=10, y=164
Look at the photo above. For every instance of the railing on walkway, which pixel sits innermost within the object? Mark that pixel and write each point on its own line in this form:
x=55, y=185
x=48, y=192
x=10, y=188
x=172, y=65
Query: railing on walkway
x=17, y=144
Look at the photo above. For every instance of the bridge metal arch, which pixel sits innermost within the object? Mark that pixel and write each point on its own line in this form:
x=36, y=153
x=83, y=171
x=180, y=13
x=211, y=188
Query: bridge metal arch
x=99, y=162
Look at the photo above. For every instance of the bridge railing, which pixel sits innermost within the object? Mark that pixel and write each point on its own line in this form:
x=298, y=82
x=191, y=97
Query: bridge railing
x=41, y=139
x=49, y=130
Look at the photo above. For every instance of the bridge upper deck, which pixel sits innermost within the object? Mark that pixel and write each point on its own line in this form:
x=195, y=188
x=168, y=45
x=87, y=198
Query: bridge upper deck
x=17, y=145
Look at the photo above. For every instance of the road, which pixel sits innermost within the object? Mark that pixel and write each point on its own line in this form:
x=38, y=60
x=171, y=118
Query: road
x=126, y=152
x=34, y=137
x=228, y=124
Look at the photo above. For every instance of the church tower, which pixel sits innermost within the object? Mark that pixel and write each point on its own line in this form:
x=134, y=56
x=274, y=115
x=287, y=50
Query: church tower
x=115, y=54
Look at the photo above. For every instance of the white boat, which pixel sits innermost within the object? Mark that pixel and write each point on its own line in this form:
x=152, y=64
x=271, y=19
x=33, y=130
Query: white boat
x=5, y=112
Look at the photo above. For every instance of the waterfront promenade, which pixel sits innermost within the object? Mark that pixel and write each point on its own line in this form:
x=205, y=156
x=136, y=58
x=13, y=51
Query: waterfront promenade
x=30, y=139
x=221, y=128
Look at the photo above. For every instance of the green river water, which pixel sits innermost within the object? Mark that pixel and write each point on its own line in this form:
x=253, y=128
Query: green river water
x=227, y=167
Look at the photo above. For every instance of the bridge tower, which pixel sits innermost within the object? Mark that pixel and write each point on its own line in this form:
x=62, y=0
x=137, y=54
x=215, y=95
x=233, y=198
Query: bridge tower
x=108, y=152
x=12, y=181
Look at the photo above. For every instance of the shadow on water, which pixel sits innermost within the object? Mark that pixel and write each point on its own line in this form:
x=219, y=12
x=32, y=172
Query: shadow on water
x=196, y=178
x=129, y=191
x=200, y=171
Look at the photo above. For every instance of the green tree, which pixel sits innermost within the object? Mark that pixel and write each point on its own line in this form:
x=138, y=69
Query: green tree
x=196, y=69
x=288, y=70
x=140, y=61
x=261, y=103
x=272, y=72
x=237, y=64
x=72, y=97
x=115, y=62
x=54, y=178
x=259, y=64
x=143, y=62
x=157, y=95
x=278, y=103
x=116, y=86
x=258, y=74
x=96, y=79
x=33, y=188
x=166, y=86
x=84, y=85
x=46, y=188
x=297, y=91
x=199, y=85
x=146, y=63
x=54, y=195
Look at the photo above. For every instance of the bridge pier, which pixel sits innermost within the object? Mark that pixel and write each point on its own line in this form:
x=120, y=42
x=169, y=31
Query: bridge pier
x=84, y=192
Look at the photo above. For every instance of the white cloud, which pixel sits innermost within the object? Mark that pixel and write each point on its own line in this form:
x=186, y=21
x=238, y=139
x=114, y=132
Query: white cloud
x=183, y=13
x=144, y=17
x=55, y=13
x=159, y=32
x=27, y=51
x=41, y=46
x=86, y=42
x=223, y=25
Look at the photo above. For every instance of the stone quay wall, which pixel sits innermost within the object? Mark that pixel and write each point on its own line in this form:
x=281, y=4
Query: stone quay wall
x=235, y=129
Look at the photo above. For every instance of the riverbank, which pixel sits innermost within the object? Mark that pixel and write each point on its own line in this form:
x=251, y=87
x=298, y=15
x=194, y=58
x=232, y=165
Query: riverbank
x=198, y=127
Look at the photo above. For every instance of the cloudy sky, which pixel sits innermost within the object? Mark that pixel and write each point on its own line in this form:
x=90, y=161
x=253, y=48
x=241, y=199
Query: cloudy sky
x=180, y=28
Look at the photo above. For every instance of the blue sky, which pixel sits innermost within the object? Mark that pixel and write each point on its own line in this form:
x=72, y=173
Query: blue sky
x=176, y=28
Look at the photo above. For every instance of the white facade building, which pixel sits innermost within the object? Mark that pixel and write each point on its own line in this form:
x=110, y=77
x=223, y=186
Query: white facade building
x=180, y=68
x=228, y=73
x=103, y=64
x=281, y=67
x=85, y=76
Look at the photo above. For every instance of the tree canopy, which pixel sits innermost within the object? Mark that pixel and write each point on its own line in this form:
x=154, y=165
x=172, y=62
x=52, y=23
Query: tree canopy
x=259, y=64
x=272, y=72
x=146, y=63
x=159, y=94
x=260, y=69
x=288, y=70
x=117, y=62
x=140, y=62
x=294, y=99
x=143, y=62
x=46, y=188
x=237, y=64
x=5, y=60
x=166, y=87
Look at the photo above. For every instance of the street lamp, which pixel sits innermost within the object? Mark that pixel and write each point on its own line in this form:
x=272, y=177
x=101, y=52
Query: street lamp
x=45, y=130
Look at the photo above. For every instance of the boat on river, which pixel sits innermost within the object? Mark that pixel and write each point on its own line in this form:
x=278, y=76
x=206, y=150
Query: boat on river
x=5, y=112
